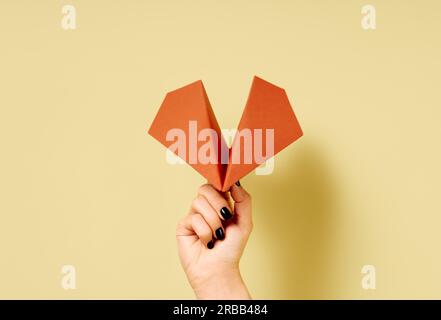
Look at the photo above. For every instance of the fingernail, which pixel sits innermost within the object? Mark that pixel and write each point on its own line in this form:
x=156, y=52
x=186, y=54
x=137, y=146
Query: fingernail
x=238, y=183
x=210, y=244
x=220, y=234
x=226, y=214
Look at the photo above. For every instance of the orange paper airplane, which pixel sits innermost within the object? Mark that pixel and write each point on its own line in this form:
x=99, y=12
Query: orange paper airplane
x=186, y=114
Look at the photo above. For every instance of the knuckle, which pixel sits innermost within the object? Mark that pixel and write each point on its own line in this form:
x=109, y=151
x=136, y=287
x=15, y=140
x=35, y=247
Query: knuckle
x=195, y=202
x=203, y=188
x=198, y=203
x=200, y=198
x=195, y=219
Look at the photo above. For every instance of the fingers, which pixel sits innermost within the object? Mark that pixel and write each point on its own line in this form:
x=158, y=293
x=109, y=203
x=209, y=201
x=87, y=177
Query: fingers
x=195, y=224
x=217, y=201
x=202, y=206
x=209, y=209
x=242, y=206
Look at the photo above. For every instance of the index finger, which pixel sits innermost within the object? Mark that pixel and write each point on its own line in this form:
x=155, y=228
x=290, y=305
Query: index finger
x=217, y=201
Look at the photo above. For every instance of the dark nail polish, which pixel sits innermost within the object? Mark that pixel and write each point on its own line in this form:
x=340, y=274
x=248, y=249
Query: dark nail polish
x=238, y=183
x=220, y=234
x=210, y=244
x=225, y=213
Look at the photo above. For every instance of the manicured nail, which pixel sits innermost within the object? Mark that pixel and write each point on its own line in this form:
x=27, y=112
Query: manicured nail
x=225, y=213
x=238, y=183
x=220, y=234
x=210, y=244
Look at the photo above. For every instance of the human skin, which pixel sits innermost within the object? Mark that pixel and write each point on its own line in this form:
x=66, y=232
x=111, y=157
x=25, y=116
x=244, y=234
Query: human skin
x=211, y=239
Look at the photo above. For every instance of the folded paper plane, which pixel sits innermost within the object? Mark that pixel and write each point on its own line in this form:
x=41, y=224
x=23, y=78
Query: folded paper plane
x=186, y=124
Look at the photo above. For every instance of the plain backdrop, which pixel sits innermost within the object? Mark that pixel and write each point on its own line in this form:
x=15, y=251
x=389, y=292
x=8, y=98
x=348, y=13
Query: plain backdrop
x=82, y=184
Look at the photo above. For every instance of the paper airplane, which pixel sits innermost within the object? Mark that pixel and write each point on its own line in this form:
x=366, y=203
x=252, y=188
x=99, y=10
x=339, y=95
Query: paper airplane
x=186, y=124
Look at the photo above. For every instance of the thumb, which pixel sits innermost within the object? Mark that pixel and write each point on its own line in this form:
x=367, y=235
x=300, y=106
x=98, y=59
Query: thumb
x=242, y=206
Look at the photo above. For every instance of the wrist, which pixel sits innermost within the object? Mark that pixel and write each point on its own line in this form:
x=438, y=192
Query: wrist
x=223, y=284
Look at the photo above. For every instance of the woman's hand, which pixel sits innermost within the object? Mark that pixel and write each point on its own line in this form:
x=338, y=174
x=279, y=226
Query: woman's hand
x=211, y=240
